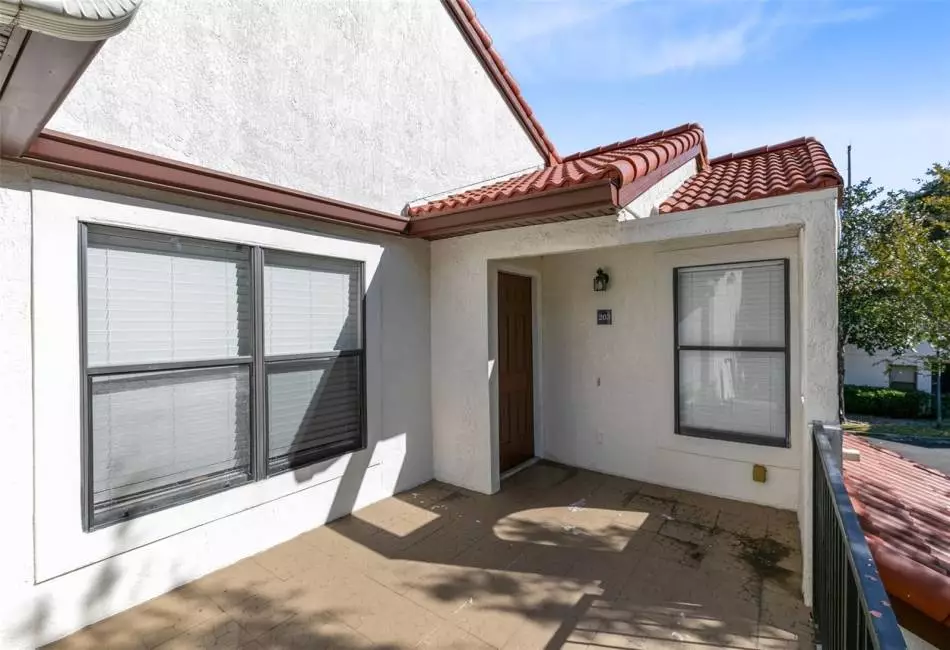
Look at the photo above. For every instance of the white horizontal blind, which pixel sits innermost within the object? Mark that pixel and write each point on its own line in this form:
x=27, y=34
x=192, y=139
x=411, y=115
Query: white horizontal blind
x=732, y=372
x=313, y=408
x=311, y=304
x=180, y=430
x=314, y=405
x=153, y=431
x=740, y=392
x=159, y=299
x=170, y=329
x=731, y=305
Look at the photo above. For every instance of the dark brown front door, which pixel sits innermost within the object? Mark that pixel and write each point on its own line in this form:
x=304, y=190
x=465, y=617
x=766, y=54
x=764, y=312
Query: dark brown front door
x=515, y=371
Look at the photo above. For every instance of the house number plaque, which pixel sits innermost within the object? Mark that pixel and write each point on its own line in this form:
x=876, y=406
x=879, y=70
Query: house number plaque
x=605, y=317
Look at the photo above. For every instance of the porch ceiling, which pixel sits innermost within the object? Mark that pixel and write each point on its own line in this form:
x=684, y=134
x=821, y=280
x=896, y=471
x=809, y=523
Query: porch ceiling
x=560, y=558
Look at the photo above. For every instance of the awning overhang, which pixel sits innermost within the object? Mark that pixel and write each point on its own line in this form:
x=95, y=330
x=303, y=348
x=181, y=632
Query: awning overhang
x=599, y=198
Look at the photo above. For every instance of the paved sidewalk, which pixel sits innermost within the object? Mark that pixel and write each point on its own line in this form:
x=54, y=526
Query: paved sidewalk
x=938, y=459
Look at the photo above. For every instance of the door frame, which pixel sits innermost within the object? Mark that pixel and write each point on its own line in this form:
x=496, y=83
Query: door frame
x=532, y=271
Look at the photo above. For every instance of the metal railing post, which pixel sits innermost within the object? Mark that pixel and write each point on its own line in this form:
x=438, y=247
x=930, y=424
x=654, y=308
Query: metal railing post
x=851, y=607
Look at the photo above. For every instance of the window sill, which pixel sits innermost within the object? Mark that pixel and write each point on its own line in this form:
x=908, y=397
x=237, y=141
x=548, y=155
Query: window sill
x=727, y=436
x=777, y=455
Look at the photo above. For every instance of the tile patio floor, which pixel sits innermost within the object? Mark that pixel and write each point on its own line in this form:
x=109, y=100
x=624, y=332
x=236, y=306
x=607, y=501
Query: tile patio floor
x=560, y=558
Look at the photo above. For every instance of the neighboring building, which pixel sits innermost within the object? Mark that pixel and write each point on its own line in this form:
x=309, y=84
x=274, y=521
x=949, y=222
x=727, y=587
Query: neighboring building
x=242, y=294
x=884, y=369
x=902, y=507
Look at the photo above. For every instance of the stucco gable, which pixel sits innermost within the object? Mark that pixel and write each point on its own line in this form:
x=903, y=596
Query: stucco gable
x=371, y=103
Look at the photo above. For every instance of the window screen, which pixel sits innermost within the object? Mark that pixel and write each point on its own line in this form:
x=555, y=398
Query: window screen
x=209, y=365
x=732, y=351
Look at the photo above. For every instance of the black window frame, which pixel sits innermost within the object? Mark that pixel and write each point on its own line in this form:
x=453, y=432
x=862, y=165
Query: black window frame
x=256, y=362
x=716, y=434
x=282, y=361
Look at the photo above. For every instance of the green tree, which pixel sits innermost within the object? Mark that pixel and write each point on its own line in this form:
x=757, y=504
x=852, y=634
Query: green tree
x=918, y=254
x=932, y=200
x=873, y=311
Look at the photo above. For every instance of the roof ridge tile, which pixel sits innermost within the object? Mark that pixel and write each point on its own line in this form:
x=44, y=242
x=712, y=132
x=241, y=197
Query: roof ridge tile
x=643, y=139
x=756, y=151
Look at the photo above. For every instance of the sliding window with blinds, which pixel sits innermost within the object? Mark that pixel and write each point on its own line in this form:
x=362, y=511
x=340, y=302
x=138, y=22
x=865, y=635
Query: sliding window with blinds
x=313, y=358
x=209, y=365
x=732, y=354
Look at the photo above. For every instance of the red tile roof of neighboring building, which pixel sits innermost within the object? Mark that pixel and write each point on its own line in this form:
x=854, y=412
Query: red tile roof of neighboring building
x=904, y=509
x=482, y=45
x=795, y=166
x=622, y=162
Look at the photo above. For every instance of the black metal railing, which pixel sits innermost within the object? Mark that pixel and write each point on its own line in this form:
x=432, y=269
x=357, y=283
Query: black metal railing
x=850, y=605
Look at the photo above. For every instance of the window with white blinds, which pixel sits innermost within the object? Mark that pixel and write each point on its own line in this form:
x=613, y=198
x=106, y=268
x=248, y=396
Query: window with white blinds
x=209, y=365
x=732, y=352
x=312, y=335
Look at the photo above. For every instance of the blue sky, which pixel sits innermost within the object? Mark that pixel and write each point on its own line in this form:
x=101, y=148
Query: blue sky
x=752, y=72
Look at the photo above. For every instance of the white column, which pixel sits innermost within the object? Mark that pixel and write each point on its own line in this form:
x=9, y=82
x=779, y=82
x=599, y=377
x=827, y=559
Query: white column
x=819, y=248
x=16, y=416
x=461, y=425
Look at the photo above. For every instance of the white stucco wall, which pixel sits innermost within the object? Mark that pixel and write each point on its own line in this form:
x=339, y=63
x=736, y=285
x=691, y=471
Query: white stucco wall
x=608, y=399
x=464, y=438
x=16, y=416
x=56, y=578
x=863, y=369
x=375, y=103
x=461, y=308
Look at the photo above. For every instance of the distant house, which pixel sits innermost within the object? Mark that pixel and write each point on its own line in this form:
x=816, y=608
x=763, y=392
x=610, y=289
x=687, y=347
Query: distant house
x=884, y=369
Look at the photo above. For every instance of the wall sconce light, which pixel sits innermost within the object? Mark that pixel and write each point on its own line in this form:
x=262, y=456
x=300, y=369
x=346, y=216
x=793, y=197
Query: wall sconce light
x=601, y=280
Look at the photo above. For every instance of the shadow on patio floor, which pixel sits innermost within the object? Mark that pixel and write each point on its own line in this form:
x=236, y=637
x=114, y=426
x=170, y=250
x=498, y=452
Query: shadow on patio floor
x=560, y=558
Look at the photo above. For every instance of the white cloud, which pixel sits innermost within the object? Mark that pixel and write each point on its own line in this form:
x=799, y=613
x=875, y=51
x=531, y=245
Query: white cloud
x=558, y=39
x=518, y=22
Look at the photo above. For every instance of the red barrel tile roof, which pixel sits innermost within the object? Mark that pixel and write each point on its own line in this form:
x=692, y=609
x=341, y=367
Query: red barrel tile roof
x=623, y=162
x=904, y=509
x=795, y=166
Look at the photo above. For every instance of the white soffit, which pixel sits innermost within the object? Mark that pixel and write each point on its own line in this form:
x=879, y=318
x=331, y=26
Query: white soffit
x=74, y=20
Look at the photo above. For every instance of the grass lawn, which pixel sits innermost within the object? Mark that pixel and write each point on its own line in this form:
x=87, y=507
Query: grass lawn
x=865, y=424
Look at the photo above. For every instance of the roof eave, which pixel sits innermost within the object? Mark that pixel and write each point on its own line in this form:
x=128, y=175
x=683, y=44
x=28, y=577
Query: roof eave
x=51, y=45
x=73, y=21
x=70, y=153
x=575, y=202
x=597, y=198
x=631, y=191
